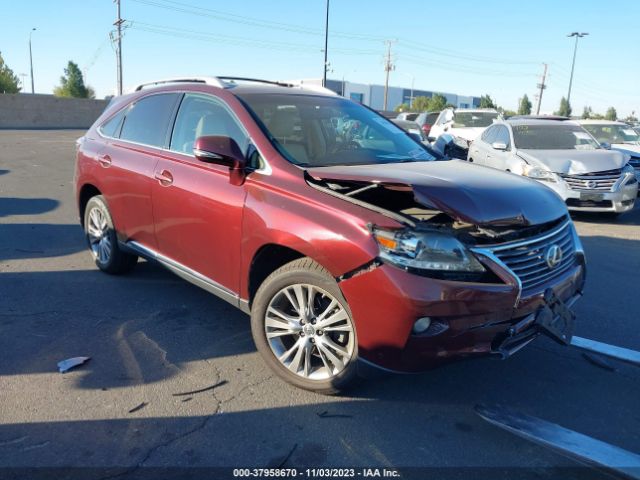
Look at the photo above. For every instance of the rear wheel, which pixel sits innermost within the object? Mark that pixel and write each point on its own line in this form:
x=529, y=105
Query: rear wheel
x=102, y=239
x=302, y=326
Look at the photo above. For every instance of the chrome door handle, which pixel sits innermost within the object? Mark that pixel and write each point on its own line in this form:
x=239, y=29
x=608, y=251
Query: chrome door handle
x=104, y=161
x=164, y=177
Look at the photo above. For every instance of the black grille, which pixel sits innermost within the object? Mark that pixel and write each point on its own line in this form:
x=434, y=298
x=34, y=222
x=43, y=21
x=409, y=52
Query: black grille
x=527, y=258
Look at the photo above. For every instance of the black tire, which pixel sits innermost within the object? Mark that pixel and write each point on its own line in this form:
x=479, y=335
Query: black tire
x=307, y=273
x=104, y=247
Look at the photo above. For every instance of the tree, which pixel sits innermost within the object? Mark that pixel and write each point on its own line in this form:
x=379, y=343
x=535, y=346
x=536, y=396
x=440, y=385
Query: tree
x=565, y=108
x=587, y=113
x=72, y=83
x=403, y=107
x=437, y=103
x=611, y=114
x=9, y=82
x=421, y=104
x=487, y=102
x=525, y=106
x=631, y=118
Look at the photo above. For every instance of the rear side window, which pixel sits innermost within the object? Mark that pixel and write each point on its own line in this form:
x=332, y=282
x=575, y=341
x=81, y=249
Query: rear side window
x=111, y=128
x=147, y=120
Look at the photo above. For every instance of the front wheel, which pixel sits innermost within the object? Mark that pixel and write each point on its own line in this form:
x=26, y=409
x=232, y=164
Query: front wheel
x=302, y=326
x=102, y=238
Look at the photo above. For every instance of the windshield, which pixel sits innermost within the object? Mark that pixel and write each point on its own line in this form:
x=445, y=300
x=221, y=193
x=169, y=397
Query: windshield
x=553, y=137
x=613, y=133
x=320, y=131
x=473, y=119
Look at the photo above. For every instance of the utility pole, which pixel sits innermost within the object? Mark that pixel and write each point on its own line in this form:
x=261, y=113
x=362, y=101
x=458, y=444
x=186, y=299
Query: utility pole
x=31, y=61
x=388, y=66
x=326, y=44
x=573, y=64
x=541, y=86
x=118, y=24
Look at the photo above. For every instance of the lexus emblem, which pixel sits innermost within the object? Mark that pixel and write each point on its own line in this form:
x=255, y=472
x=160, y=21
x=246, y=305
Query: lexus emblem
x=591, y=184
x=553, y=256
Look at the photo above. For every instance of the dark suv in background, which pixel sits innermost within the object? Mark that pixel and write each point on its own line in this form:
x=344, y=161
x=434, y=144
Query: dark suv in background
x=333, y=228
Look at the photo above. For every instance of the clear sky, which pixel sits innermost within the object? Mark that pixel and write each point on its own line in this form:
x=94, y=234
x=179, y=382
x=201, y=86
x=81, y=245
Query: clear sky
x=464, y=47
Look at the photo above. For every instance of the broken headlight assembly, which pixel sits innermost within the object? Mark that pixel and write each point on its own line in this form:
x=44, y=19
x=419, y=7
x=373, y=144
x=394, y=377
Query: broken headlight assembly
x=538, y=173
x=426, y=252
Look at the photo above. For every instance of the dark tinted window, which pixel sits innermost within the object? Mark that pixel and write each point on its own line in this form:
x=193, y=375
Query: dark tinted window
x=502, y=136
x=147, y=120
x=201, y=115
x=111, y=128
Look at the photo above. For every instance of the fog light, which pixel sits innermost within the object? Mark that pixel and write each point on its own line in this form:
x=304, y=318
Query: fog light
x=421, y=325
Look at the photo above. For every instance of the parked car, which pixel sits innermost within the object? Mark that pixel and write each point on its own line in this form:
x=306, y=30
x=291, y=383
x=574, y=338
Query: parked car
x=346, y=243
x=409, y=116
x=426, y=120
x=563, y=156
x=410, y=127
x=616, y=135
x=464, y=124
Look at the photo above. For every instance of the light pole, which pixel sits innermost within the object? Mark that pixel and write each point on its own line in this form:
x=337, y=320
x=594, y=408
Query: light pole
x=31, y=60
x=573, y=64
x=412, y=80
x=326, y=43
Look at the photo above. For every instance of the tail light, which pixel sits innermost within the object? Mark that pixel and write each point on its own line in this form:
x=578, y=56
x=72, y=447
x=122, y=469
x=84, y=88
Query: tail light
x=426, y=128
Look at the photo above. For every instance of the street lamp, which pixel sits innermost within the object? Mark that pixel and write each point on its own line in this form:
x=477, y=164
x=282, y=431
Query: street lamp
x=31, y=60
x=573, y=64
x=412, y=80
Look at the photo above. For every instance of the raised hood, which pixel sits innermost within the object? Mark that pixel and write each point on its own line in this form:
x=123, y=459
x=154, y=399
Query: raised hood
x=466, y=192
x=575, y=162
x=468, y=133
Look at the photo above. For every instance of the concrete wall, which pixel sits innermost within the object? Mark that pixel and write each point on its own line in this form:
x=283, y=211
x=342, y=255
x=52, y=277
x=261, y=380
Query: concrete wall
x=46, y=111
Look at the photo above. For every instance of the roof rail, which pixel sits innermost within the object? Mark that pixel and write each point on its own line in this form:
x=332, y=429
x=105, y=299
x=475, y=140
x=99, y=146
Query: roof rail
x=254, y=80
x=215, y=81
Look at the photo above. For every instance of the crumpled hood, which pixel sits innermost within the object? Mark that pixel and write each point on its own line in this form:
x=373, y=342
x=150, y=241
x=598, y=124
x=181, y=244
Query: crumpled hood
x=469, y=193
x=468, y=133
x=575, y=162
x=631, y=149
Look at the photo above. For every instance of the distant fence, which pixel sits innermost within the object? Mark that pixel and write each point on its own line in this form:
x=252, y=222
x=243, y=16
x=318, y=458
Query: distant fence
x=46, y=111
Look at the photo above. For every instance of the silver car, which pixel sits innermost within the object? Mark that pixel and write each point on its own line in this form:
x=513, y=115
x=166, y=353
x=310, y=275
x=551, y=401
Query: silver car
x=563, y=156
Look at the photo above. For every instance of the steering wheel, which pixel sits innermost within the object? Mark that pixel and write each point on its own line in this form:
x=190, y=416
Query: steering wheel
x=346, y=146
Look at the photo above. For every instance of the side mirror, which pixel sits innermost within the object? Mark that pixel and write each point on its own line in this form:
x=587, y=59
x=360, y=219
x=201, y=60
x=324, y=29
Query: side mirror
x=499, y=146
x=605, y=145
x=221, y=150
x=416, y=137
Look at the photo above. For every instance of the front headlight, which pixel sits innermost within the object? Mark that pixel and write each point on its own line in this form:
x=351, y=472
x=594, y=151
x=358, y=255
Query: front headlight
x=425, y=251
x=538, y=173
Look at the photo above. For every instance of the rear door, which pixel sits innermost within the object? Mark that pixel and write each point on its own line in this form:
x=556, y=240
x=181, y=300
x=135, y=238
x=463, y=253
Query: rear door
x=129, y=160
x=197, y=212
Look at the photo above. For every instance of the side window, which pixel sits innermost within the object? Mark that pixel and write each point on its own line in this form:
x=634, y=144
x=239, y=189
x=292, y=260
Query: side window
x=201, y=115
x=502, y=136
x=489, y=135
x=111, y=128
x=147, y=120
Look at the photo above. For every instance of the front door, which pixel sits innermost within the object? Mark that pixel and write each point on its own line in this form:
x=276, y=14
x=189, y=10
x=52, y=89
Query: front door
x=197, y=212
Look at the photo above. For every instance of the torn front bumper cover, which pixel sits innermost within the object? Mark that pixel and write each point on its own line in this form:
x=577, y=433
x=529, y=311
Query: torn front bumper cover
x=554, y=318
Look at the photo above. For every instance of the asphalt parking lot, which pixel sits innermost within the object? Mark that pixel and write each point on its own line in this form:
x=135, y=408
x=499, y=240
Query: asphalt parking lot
x=153, y=338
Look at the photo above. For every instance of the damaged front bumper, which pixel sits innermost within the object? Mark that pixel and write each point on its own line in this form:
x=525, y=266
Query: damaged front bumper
x=466, y=319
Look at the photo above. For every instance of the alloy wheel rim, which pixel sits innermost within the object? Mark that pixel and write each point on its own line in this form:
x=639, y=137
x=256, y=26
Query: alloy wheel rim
x=98, y=234
x=309, y=332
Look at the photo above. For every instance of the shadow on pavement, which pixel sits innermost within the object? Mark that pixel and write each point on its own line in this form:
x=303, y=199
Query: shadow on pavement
x=39, y=240
x=26, y=206
x=3, y=171
x=628, y=218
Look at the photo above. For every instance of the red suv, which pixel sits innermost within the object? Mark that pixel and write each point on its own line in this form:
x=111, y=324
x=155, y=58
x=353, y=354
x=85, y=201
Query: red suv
x=334, y=229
